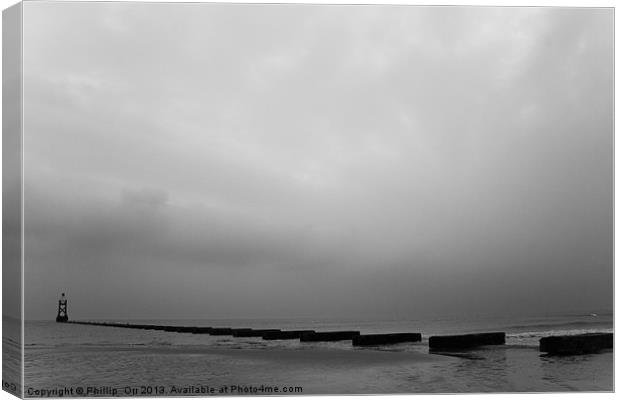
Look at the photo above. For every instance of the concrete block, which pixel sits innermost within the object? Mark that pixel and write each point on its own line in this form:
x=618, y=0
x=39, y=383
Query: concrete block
x=241, y=332
x=255, y=332
x=577, y=344
x=284, y=335
x=202, y=330
x=220, y=331
x=466, y=341
x=386, y=338
x=328, y=336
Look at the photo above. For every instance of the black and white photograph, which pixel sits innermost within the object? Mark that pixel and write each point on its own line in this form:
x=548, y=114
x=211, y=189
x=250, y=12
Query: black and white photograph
x=290, y=199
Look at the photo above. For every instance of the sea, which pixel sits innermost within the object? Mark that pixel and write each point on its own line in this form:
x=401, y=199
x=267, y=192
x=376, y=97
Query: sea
x=63, y=360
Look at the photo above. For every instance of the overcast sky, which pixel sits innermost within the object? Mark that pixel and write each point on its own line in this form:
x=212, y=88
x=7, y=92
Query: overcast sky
x=188, y=161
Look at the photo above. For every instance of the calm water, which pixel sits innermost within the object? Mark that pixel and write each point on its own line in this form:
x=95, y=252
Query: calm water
x=59, y=356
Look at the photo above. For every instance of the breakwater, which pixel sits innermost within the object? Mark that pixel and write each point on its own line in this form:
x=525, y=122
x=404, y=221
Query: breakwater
x=466, y=341
x=577, y=344
x=554, y=345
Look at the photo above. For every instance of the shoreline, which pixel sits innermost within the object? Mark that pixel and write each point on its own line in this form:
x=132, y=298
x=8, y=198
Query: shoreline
x=497, y=369
x=72, y=355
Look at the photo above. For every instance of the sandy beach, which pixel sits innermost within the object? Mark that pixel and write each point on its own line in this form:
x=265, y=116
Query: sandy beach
x=86, y=356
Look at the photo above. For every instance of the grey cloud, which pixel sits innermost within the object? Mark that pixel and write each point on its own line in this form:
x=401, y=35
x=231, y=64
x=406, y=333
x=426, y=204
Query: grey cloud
x=253, y=156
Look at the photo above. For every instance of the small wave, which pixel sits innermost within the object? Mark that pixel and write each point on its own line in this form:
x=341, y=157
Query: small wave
x=532, y=338
x=553, y=325
x=159, y=343
x=555, y=332
x=522, y=346
x=110, y=345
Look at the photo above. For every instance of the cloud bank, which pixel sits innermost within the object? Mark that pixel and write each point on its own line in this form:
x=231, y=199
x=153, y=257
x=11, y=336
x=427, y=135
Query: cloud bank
x=218, y=160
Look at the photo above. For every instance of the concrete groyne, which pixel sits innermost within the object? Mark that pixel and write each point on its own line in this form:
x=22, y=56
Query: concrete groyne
x=285, y=335
x=386, y=338
x=576, y=344
x=328, y=336
x=256, y=332
x=240, y=332
x=186, y=329
x=552, y=345
x=171, y=329
x=466, y=341
x=202, y=330
x=221, y=332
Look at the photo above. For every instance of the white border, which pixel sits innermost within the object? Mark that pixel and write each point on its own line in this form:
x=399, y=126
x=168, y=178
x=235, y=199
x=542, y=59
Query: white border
x=541, y=3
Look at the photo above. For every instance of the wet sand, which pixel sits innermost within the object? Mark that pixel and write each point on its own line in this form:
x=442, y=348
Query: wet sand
x=74, y=355
x=321, y=371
